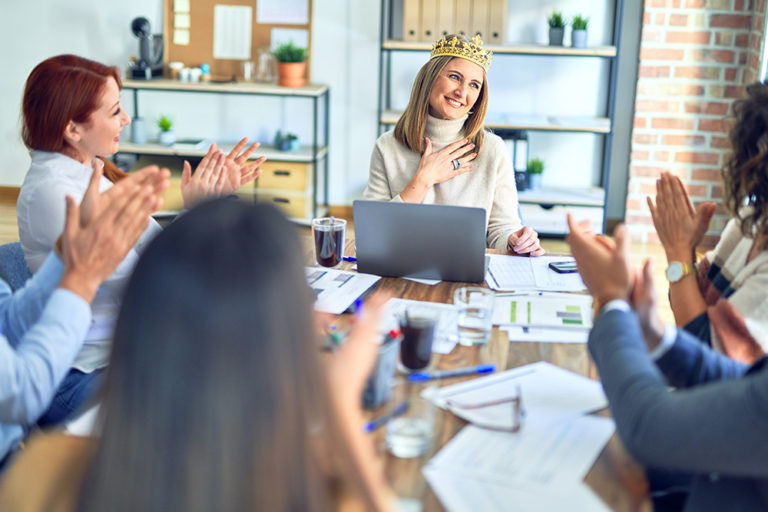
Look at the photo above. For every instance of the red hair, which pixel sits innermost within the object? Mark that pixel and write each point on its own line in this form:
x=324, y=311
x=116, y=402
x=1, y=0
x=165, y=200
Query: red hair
x=59, y=90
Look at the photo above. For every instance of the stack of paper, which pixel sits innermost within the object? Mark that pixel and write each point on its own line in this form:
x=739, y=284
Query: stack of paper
x=516, y=273
x=486, y=469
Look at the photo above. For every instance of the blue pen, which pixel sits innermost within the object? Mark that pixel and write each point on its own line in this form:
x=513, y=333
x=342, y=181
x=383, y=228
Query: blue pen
x=381, y=420
x=349, y=258
x=458, y=372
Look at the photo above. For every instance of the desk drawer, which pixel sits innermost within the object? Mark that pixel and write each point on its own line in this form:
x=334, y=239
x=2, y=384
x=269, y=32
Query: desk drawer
x=293, y=204
x=285, y=175
x=552, y=220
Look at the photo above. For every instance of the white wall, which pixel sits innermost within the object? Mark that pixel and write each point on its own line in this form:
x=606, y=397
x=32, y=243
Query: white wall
x=37, y=29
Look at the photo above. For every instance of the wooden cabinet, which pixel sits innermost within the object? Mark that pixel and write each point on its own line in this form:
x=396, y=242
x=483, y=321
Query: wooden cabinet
x=295, y=181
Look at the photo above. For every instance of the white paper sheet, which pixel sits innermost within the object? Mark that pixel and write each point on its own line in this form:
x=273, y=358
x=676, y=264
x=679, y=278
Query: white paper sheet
x=446, y=330
x=550, y=394
x=282, y=12
x=459, y=493
x=488, y=470
x=520, y=273
x=232, y=32
x=181, y=20
x=336, y=290
x=181, y=5
x=561, y=310
x=181, y=36
x=545, y=335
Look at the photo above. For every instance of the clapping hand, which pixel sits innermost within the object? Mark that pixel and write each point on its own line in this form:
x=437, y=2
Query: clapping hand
x=680, y=227
x=219, y=175
x=525, y=241
x=93, y=202
x=604, y=266
x=643, y=300
x=94, y=243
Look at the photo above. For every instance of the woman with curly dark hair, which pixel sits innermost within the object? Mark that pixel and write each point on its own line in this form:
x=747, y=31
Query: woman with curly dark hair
x=726, y=303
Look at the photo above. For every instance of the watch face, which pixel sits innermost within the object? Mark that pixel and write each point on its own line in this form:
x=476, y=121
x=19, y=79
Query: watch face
x=674, y=271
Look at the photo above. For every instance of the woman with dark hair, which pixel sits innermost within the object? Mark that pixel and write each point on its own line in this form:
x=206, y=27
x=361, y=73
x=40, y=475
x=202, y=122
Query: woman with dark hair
x=439, y=152
x=267, y=428
x=72, y=119
x=722, y=299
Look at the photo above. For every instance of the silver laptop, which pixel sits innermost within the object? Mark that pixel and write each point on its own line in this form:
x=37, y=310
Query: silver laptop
x=425, y=241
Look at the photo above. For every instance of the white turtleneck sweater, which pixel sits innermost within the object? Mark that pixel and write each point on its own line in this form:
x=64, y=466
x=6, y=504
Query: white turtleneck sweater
x=489, y=185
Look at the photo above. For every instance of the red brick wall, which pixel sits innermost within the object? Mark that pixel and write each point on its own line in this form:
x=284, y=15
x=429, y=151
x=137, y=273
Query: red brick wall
x=695, y=57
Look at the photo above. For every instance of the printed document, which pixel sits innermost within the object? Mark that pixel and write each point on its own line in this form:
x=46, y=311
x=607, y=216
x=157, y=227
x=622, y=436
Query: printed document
x=549, y=395
x=520, y=273
x=488, y=470
x=336, y=290
x=562, y=310
x=521, y=333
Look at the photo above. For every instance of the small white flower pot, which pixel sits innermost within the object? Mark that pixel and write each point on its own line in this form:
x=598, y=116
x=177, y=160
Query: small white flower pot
x=167, y=138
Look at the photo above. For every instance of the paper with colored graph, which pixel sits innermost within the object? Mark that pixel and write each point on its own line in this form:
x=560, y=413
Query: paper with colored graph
x=558, y=310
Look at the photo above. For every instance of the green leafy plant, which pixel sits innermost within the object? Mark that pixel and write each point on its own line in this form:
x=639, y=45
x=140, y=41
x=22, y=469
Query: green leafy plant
x=579, y=22
x=556, y=20
x=535, y=166
x=289, y=52
x=165, y=123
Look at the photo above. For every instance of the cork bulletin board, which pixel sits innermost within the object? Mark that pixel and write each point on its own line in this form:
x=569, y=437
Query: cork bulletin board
x=190, y=32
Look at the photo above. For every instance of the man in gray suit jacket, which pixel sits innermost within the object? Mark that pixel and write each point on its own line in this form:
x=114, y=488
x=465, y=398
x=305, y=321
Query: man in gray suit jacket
x=713, y=425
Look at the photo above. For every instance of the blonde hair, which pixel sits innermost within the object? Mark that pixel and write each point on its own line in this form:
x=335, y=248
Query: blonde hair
x=409, y=130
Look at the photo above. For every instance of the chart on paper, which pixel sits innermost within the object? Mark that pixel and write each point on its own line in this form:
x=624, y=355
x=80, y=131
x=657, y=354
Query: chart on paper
x=563, y=310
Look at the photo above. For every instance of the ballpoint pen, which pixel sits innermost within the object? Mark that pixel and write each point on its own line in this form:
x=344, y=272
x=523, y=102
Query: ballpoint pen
x=459, y=372
x=381, y=420
x=349, y=258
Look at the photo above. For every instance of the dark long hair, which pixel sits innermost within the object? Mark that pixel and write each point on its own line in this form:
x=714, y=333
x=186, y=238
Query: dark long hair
x=745, y=173
x=61, y=89
x=215, y=398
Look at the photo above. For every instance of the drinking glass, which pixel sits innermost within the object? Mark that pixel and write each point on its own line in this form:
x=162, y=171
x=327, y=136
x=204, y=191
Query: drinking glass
x=417, y=324
x=328, y=233
x=410, y=433
x=474, y=314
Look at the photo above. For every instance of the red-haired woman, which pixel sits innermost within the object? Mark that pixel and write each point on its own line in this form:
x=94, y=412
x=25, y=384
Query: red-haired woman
x=72, y=119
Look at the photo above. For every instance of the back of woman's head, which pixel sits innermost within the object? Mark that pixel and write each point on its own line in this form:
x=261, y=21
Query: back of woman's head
x=59, y=90
x=746, y=171
x=214, y=397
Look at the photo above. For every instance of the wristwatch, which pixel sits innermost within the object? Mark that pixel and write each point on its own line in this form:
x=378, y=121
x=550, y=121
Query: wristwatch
x=678, y=270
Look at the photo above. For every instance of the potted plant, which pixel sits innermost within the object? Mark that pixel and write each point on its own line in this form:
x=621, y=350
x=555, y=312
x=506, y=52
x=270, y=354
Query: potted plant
x=579, y=31
x=287, y=142
x=556, y=28
x=167, y=137
x=535, y=170
x=291, y=64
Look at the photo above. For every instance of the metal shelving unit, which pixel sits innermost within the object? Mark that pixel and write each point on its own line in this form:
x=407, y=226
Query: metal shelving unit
x=315, y=154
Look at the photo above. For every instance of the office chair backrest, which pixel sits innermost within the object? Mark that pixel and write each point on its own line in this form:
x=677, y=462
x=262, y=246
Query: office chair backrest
x=13, y=266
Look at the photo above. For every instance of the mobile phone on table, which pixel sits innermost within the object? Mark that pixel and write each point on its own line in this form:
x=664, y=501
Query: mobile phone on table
x=563, y=267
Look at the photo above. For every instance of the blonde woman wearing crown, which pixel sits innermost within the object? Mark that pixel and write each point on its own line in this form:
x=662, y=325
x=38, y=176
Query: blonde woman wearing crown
x=439, y=152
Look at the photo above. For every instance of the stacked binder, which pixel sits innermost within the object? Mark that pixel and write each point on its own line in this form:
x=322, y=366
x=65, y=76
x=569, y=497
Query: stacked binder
x=429, y=20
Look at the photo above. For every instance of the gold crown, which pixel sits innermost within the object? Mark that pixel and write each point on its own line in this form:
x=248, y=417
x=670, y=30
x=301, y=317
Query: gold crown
x=470, y=50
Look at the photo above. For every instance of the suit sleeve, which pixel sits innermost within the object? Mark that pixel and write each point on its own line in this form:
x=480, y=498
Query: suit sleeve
x=718, y=426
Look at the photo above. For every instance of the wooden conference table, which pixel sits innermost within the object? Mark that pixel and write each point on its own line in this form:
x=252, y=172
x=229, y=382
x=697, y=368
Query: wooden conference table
x=615, y=476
